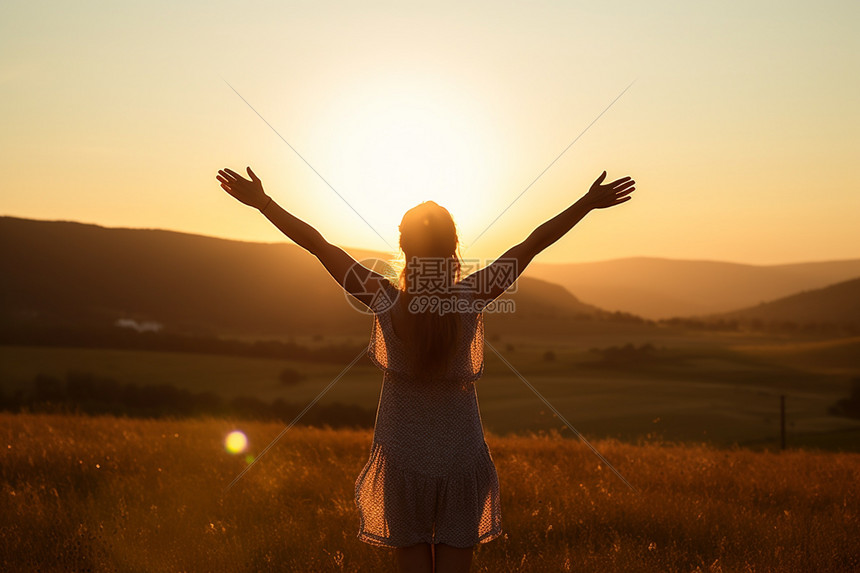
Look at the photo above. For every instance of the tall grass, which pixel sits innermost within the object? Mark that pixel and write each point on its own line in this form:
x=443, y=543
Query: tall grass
x=114, y=494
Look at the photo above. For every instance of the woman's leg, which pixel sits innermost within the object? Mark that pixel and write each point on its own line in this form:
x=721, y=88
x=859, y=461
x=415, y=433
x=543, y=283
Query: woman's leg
x=453, y=559
x=415, y=559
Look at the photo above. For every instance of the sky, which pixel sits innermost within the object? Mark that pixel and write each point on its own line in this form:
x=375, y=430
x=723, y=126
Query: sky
x=741, y=125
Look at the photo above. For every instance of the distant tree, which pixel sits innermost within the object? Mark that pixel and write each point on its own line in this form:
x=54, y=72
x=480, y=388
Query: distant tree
x=849, y=406
x=628, y=354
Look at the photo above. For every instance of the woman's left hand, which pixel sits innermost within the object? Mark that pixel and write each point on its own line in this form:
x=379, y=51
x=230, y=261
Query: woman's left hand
x=610, y=194
x=248, y=192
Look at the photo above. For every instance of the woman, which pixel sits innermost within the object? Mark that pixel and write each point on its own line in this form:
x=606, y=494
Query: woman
x=429, y=489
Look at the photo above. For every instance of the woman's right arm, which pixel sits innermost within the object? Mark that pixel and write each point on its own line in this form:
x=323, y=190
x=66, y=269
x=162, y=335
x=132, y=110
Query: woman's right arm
x=494, y=279
x=358, y=280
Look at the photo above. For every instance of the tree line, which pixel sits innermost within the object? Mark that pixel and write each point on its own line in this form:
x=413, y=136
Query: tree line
x=86, y=393
x=109, y=336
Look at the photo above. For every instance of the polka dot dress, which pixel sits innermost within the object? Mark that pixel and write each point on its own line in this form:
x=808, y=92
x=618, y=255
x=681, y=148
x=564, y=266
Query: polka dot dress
x=430, y=477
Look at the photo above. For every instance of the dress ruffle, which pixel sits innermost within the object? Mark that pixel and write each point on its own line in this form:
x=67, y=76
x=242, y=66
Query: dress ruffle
x=400, y=507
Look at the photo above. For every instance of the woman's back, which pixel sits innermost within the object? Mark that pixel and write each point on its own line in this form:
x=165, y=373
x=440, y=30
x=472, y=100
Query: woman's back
x=428, y=448
x=431, y=422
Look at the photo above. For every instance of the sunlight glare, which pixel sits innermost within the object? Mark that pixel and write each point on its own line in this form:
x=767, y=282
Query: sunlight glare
x=236, y=442
x=407, y=145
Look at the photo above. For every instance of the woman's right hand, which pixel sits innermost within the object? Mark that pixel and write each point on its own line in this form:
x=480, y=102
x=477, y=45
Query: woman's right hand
x=248, y=192
x=610, y=194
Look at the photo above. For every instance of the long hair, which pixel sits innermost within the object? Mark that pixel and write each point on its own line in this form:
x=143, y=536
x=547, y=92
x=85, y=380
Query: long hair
x=428, y=239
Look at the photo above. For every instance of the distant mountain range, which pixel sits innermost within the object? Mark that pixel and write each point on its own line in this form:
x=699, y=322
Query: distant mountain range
x=664, y=288
x=57, y=272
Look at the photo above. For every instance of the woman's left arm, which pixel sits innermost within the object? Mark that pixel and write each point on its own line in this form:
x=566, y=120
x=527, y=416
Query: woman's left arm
x=358, y=280
x=511, y=265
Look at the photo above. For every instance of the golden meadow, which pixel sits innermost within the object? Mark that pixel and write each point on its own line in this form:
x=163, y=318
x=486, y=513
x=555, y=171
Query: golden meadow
x=116, y=494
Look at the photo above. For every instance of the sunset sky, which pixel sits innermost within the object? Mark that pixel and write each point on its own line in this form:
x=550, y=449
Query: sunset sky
x=741, y=129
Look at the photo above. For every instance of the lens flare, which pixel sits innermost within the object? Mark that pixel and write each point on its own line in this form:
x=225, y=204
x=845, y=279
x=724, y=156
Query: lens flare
x=236, y=442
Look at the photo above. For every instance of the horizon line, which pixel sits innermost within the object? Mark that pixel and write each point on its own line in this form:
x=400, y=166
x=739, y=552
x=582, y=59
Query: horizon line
x=286, y=241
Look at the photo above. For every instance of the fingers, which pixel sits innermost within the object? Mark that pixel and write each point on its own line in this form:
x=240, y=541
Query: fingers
x=222, y=179
x=624, y=186
x=600, y=179
x=624, y=193
x=252, y=174
x=235, y=175
x=620, y=182
x=230, y=178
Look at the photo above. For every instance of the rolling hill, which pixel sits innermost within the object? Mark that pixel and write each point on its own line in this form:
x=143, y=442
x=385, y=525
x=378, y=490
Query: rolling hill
x=835, y=304
x=663, y=288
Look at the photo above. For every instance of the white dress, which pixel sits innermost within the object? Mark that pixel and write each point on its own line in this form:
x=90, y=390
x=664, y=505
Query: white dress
x=430, y=477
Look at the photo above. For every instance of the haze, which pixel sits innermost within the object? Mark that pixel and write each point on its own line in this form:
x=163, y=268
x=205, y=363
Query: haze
x=741, y=127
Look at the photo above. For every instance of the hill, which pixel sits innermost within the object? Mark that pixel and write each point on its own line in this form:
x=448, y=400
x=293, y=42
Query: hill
x=663, y=288
x=58, y=272
x=835, y=304
x=61, y=271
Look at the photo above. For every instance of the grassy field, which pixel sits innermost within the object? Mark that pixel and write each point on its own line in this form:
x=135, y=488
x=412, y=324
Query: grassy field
x=719, y=388
x=110, y=494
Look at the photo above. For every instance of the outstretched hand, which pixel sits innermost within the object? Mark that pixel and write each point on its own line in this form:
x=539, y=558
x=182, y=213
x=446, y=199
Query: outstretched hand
x=248, y=192
x=608, y=195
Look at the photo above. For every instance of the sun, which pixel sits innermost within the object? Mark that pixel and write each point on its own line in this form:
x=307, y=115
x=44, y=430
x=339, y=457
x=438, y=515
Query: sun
x=400, y=145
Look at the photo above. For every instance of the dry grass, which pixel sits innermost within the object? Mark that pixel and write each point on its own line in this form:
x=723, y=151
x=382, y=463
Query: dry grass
x=109, y=494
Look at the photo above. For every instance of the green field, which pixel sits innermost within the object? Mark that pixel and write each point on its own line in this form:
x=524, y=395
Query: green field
x=706, y=387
